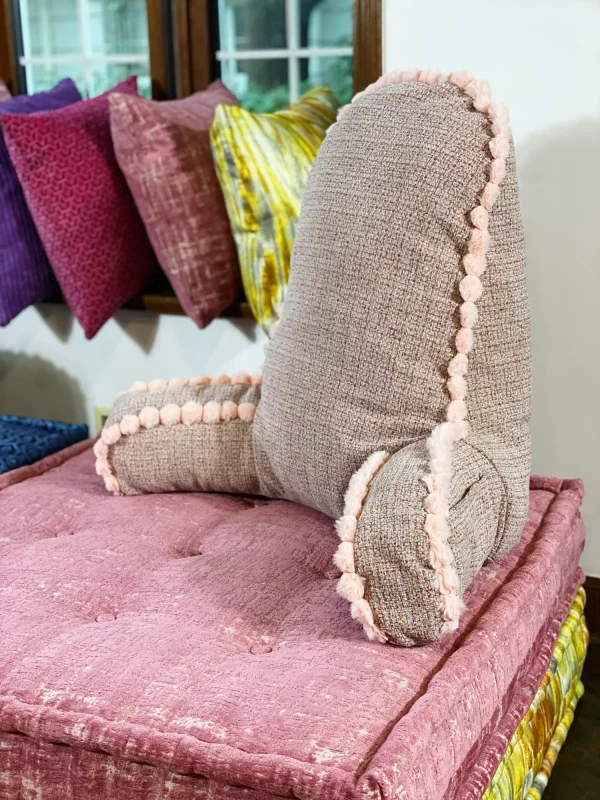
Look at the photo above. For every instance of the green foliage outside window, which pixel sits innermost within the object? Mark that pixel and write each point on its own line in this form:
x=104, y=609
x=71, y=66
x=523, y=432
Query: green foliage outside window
x=335, y=72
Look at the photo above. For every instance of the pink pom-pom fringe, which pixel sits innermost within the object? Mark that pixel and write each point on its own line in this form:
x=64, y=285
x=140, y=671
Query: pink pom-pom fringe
x=442, y=437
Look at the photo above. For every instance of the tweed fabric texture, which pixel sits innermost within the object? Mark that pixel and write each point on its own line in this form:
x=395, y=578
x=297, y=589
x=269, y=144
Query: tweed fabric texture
x=397, y=567
x=25, y=273
x=164, y=152
x=215, y=457
x=263, y=161
x=244, y=674
x=94, y=237
x=359, y=362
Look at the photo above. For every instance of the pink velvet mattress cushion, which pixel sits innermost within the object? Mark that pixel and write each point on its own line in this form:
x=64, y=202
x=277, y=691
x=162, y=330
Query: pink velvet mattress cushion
x=193, y=646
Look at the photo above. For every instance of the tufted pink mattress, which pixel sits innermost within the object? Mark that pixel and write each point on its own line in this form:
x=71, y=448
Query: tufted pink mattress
x=193, y=646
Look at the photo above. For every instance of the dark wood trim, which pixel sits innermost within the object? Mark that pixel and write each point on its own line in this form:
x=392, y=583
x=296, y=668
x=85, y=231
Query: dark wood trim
x=8, y=60
x=592, y=606
x=165, y=303
x=193, y=46
x=201, y=49
x=194, y=43
x=161, y=48
x=368, y=44
x=182, y=41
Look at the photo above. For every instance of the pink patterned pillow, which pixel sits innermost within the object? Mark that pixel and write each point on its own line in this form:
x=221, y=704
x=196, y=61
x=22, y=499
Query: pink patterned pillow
x=81, y=205
x=164, y=152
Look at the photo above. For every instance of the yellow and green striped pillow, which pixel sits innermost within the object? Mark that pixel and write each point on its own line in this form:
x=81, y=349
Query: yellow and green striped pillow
x=263, y=161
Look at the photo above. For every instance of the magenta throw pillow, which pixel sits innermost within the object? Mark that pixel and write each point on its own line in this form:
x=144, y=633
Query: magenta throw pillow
x=164, y=152
x=25, y=273
x=81, y=205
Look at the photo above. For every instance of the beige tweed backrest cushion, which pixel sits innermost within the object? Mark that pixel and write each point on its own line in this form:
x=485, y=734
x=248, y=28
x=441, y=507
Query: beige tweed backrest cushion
x=396, y=390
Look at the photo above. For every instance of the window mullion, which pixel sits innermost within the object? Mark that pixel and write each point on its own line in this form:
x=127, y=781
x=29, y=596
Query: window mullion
x=293, y=43
x=303, y=52
x=26, y=38
x=85, y=49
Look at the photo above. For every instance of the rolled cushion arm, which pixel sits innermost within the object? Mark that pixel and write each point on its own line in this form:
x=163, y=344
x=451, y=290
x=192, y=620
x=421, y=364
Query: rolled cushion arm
x=405, y=562
x=184, y=435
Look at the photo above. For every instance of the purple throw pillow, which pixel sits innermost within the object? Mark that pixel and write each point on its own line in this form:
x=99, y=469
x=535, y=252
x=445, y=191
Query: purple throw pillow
x=25, y=273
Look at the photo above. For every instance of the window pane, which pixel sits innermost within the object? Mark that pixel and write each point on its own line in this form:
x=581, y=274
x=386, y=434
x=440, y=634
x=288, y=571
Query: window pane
x=41, y=77
x=103, y=76
x=334, y=72
x=252, y=24
x=325, y=23
x=115, y=27
x=50, y=28
x=261, y=84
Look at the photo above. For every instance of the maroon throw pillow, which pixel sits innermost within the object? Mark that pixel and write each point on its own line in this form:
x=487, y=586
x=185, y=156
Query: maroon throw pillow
x=81, y=205
x=164, y=152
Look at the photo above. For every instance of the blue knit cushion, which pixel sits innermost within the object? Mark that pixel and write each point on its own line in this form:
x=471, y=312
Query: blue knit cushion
x=24, y=441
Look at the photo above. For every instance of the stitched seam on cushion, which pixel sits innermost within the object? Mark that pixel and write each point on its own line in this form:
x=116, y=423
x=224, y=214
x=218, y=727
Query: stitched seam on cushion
x=455, y=426
x=572, y=590
x=190, y=413
x=575, y=625
x=133, y=727
x=558, y=656
x=153, y=731
x=504, y=487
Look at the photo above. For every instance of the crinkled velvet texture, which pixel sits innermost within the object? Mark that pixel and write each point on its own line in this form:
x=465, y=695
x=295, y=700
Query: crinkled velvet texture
x=263, y=161
x=164, y=152
x=25, y=273
x=360, y=361
x=533, y=749
x=243, y=668
x=81, y=205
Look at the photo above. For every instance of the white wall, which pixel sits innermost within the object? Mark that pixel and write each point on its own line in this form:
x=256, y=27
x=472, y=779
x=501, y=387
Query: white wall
x=542, y=58
x=48, y=369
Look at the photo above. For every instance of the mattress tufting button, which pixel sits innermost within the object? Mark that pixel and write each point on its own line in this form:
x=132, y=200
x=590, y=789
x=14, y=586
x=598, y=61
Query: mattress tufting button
x=63, y=533
x=105, y=618
x=260, y=649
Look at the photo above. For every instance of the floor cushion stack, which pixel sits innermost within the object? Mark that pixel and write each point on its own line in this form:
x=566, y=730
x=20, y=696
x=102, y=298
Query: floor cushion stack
x=193, y=646
x=24, y=440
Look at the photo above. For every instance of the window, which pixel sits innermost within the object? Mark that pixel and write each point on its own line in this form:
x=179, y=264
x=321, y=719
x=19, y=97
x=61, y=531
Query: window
x=96, y=42
x=268, y=51
x=272, y=51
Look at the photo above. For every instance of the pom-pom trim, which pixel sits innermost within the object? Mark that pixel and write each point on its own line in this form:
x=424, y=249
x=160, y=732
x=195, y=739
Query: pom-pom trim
x=455, y=427
x=211, y=413
x=351, y=586
x=236, y=379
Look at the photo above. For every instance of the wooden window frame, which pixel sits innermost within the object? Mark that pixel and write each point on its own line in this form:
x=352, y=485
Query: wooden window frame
x=196, y=36
x=368, y=42
x=183, y=38
x=8, y=59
